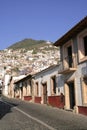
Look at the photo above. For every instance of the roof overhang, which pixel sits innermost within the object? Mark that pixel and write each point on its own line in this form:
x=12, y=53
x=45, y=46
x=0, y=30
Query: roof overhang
x=25, y=78
x=73, y=32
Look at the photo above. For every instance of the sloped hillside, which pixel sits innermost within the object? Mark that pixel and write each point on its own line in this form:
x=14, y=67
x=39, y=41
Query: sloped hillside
x=28, y=44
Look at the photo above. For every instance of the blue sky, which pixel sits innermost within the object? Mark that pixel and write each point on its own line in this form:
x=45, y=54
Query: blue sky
x=38, y=19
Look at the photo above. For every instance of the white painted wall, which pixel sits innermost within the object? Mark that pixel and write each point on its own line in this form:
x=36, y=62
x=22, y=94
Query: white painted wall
x=45, y=76
x=6, y=82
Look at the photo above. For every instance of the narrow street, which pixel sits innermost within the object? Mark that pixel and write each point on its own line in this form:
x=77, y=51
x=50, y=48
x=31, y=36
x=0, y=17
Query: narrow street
x=20, y=115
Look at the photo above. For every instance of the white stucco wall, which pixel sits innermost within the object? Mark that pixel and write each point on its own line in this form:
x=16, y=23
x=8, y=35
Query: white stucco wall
x=6, y=81
x=45, y=76
x=81, y=72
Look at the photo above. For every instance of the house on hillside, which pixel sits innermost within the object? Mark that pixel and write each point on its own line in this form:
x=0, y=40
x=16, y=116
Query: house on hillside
x=73, y=66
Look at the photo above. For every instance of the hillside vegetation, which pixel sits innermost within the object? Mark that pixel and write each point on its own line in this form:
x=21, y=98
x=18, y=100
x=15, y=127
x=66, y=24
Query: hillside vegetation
x=28, y=44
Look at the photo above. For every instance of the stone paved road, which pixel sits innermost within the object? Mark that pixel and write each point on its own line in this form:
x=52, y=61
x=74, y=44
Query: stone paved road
x=20, y=115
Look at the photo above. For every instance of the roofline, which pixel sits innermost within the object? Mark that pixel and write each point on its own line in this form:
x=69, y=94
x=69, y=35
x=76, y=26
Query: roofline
x=27, y=77
x=33, y=76
x=72, y=32
x=43, y=71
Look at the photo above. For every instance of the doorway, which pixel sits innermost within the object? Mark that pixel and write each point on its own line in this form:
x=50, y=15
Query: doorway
x=71, y=95
x=45, y=93
x=21, y=92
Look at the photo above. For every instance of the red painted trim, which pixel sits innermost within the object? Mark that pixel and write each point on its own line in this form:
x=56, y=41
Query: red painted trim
x=57, y=101
x=17, y=96
x=37, y=99
x=27, y=98
x=82, y=110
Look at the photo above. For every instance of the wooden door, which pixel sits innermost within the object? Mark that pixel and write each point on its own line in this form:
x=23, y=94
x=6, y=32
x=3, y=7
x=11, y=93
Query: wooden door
x=45, y=93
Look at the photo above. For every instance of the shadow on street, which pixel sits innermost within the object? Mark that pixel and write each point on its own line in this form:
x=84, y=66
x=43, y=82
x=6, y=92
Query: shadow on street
x=5, y=108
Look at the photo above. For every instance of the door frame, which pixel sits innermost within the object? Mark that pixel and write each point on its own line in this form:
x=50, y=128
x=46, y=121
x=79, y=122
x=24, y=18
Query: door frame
x=44, y=93
x=67, y=94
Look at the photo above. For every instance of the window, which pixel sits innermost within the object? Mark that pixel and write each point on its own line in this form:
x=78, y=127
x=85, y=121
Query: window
x=69, y=58
x=82, y=46
x=53, y=84
x=85, y=45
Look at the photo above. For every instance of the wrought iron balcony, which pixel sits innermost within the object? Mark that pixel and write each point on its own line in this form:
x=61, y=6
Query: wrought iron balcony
x=67, y=65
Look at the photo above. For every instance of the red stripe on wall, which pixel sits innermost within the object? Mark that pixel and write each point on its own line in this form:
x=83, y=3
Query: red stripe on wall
x=82, y=110
x=57, y=101
x=27, y=98
x=37, y=99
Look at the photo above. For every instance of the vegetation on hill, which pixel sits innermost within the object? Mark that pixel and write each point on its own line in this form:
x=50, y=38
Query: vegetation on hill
x=28, y=44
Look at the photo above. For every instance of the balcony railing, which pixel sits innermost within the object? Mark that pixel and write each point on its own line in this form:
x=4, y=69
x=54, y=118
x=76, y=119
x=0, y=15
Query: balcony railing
x=67, y=65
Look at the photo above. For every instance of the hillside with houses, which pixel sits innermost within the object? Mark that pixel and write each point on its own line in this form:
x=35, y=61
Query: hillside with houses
x=28, y=56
